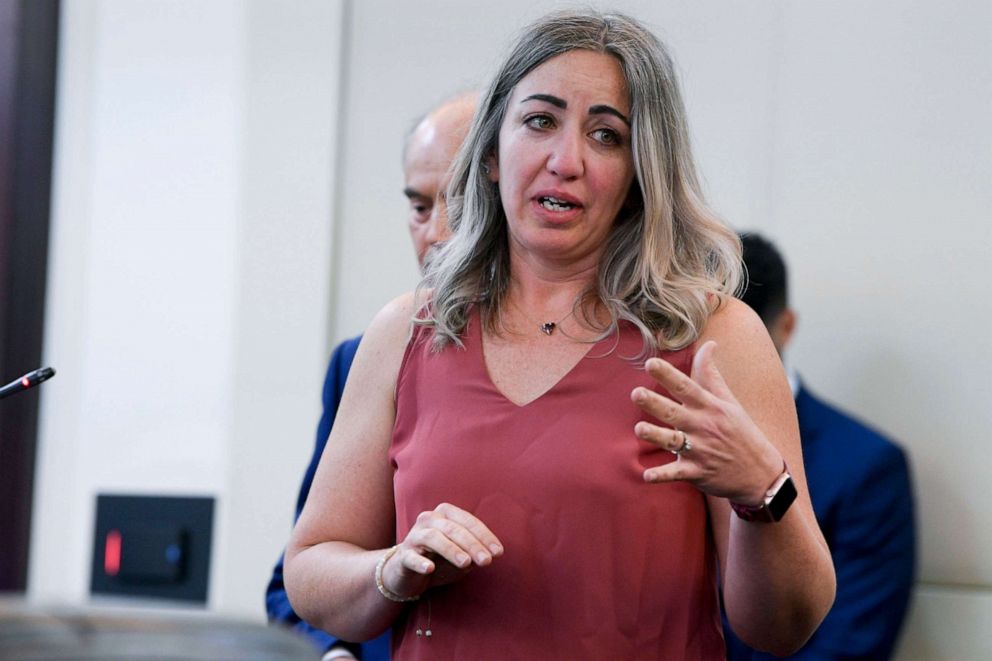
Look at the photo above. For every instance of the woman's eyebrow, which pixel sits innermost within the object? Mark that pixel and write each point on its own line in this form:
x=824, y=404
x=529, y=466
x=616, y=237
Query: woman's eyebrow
x=608, y=110
x=599, y=109
x=547, y=98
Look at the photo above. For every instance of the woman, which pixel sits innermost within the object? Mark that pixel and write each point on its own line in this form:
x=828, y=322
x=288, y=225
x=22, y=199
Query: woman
x=513, y=479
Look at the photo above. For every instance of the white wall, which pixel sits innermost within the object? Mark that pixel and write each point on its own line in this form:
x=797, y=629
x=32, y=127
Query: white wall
x=190, y=282
x=883, y=155
x=855, y=134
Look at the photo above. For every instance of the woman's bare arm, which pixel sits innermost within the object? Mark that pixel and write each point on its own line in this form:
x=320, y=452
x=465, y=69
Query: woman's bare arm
x=349, y=518
x=778, y=579
x=330, y=583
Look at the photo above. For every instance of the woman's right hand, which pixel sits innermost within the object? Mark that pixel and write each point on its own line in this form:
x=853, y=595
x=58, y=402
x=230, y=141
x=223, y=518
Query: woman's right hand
x=441, y=547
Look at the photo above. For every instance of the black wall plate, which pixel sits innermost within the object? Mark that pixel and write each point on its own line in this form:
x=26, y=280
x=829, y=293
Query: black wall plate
x=152, y=547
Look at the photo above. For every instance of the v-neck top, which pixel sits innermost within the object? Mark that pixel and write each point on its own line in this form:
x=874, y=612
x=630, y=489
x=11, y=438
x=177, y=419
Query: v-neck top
x=597, y=563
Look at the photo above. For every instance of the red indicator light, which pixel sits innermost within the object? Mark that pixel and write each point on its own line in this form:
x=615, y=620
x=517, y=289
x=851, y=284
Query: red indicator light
x=112, y=553
x=25, y=382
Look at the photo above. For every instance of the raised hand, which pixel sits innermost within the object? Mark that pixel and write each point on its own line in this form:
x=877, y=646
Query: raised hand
x=726, y=454
x=442, y=546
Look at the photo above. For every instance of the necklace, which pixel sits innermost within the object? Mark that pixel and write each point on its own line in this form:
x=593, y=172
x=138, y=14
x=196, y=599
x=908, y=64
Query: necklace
x=547, y=327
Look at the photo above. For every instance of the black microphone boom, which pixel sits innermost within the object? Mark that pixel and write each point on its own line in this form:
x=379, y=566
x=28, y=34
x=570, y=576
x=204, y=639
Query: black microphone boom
x=29, y=380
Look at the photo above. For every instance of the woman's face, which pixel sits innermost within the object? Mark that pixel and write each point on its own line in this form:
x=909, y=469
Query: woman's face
x=564, y=163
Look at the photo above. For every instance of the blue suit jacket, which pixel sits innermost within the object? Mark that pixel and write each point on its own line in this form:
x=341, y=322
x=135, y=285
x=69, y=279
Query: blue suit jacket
x=276, y=602
x=860, y=486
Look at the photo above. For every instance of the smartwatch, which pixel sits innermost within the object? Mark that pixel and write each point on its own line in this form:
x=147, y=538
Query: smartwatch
x=775, y=504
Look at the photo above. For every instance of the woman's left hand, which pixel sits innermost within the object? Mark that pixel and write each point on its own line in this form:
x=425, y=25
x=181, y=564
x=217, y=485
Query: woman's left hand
x=730, y=457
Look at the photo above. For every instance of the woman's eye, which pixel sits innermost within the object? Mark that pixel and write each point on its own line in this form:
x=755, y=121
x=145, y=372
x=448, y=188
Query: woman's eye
x=542, y=122
x=607, y=136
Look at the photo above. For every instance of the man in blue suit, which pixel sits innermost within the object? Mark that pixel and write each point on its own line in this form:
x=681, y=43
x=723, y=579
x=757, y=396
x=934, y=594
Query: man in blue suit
x=859, y=483
x=427, y=156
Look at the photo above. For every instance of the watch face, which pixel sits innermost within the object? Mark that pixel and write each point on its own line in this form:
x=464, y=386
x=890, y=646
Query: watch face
x=783, y=498
x=775, y=505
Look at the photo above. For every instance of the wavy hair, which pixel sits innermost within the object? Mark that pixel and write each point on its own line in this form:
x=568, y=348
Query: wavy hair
x=668, y=262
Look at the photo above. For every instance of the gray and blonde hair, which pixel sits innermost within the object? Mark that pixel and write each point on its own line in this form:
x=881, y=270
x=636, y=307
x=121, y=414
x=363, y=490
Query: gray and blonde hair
x=668, y=261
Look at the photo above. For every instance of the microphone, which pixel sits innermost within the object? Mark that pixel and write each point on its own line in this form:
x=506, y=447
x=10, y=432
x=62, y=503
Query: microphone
x=29, y=380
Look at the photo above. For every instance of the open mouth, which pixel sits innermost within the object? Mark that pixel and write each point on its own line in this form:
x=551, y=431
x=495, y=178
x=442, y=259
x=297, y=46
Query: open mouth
x=555, y=204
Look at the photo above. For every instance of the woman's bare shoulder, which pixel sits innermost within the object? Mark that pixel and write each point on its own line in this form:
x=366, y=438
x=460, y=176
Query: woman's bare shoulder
x=743, y=344
x=393, y=322
x=733, y=321
x=385, y=339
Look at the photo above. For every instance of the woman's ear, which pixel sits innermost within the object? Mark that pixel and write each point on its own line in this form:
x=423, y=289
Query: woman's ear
x=491, y=168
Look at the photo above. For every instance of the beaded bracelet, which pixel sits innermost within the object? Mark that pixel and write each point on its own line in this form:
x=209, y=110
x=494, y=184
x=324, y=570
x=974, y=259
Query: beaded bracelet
x=383, y=590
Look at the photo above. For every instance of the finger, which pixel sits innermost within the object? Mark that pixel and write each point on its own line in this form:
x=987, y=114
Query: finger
x=472, y=523
x=441, y=531
x=681, y=387
x=705, y=372
x=415, y=562
x=666, y=439
x=662, y=408
x=446, y=538
x=673, y=471
x=438, y=541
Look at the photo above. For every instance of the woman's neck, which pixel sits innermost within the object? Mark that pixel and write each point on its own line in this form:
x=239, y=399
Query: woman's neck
x=550, y=298
x=542, y=283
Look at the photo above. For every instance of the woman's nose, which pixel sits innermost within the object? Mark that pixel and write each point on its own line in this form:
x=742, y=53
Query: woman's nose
x=565, y=159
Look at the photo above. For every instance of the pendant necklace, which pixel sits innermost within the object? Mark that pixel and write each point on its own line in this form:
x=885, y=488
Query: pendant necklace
x=547, y=327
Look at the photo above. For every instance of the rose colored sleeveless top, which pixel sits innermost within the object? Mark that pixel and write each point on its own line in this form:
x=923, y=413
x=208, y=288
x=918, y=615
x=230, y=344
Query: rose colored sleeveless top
x=598, y=564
